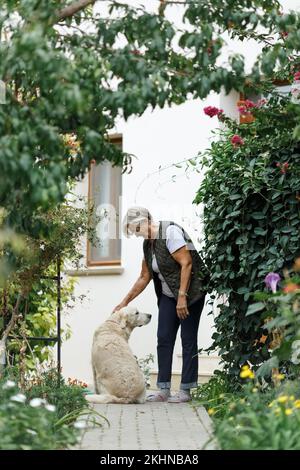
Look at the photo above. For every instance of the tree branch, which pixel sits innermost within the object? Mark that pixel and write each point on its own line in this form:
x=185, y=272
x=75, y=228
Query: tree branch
x=70, y=10
x=12, y=320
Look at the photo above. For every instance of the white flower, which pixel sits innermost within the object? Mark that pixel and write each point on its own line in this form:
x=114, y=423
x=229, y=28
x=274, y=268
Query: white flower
x=36, y=402
x=80, y=425
x=296, y=352
x=50, y=407
x=20, y=398
x=9, y=384
x=30, y=431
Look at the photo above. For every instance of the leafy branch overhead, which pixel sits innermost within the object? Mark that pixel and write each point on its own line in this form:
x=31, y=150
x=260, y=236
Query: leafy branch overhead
x=70, y=69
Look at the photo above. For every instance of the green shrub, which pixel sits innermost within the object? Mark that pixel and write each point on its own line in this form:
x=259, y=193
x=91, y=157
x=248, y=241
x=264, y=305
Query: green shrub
x=45, y=414
x=251, y=218
x=66, y=398
x=259, y=421
x=213, y=394
x=280, y=310
x=30, y=424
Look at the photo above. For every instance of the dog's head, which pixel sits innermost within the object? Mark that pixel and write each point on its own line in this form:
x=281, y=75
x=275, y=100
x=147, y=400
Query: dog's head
x=130, y=317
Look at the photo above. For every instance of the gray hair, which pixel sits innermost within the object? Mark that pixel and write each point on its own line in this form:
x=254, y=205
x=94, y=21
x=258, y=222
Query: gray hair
x=133, y=216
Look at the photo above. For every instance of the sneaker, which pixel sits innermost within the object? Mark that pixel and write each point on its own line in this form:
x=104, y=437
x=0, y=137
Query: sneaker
x=161, y=395
x=182, y=396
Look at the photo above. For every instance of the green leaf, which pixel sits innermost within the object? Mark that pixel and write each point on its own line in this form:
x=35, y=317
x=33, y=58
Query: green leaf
x=260, y=231
x=254, y=308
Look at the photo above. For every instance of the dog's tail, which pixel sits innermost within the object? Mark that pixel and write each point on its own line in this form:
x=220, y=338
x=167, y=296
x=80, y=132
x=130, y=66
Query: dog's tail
x=107, y=398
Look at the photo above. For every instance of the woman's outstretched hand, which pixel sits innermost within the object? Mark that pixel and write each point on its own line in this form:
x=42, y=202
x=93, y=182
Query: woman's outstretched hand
x=121, y=305
x=181, y=308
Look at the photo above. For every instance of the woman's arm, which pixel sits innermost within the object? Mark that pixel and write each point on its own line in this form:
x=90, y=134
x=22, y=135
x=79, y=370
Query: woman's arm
x=183, y=257
x=138, y=287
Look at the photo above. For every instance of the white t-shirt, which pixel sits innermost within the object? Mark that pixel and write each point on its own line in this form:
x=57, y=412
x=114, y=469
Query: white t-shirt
x=174, y=241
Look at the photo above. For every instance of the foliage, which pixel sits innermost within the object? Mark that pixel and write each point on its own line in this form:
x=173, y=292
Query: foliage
x=47, y=413
x=32, y=425
x=63, y=77
x=65, y=397
x=251, y=221
x=212, y=394
x=259, y=420
x=36, y=315
x=281, y=313
x=145, y=365
x=257, y=416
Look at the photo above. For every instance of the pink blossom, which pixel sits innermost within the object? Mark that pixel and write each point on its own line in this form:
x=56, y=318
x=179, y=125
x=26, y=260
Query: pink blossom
x=297, y=76
x=271, y=281
x=283, y=167
x=212, y=111
x=243, y=110
x=250, y=104
x=261, y=102
x=236, y=140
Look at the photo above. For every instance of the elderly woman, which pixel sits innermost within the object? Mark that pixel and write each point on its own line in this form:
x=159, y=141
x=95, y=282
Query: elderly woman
x=172, y=262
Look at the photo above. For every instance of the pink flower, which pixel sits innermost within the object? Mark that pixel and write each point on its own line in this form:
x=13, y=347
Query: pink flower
x=283, y=167
x=249, y=104
x=236, y=140
x=212, y=111
x=271, y=281
x=243, y=110
x=261, y=102
x=297, y=76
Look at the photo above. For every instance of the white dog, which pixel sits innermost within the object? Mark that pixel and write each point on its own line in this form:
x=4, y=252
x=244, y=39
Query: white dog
x=117, y=375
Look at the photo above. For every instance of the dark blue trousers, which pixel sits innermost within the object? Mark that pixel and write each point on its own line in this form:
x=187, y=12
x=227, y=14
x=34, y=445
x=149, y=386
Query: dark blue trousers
x=168, y=324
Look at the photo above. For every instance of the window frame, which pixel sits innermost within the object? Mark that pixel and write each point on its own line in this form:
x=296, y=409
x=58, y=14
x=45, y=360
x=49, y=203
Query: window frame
x=118, y=140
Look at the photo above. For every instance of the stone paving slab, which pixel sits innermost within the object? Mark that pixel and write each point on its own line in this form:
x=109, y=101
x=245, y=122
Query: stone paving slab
x=151, y=426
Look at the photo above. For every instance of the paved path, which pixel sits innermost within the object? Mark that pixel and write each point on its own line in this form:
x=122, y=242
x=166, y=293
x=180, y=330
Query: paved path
x=152, y=426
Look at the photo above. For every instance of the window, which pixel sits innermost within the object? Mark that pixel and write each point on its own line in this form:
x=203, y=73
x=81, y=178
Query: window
x=105, y=187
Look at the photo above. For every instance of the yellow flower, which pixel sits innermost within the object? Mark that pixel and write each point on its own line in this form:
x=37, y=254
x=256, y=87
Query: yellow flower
x=278, y=376
x=211, y=411
x=288, y=411
x=222, y=395
x=297, y=403
x=242, y=400
x=271, y=404
x=247, y=374
x=277, y=411
x=245, y=367
x=282, y=399
x=292, y=397
x=254, y=390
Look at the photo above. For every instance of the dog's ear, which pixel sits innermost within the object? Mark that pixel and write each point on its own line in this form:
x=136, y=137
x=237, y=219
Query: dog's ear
x=123, y=320
x=121, y=317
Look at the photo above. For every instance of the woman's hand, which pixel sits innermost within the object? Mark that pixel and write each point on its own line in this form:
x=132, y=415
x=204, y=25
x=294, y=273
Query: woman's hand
x=181, y=308
x=121, y=305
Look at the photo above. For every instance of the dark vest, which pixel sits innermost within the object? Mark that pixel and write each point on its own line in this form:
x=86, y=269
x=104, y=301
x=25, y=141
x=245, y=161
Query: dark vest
x=170, y=269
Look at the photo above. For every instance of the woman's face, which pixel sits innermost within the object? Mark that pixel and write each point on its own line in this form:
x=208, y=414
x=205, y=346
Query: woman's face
x=141, y=229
